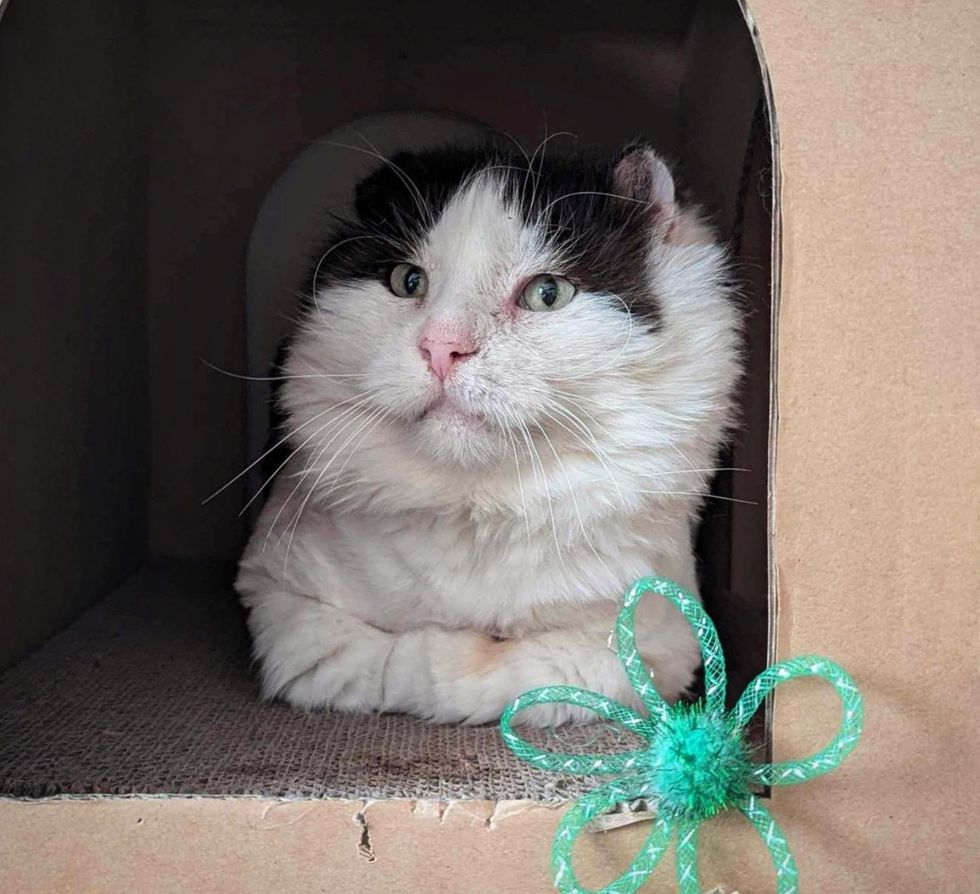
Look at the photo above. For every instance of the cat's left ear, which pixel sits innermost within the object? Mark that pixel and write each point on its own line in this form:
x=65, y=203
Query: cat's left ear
x=643, y=175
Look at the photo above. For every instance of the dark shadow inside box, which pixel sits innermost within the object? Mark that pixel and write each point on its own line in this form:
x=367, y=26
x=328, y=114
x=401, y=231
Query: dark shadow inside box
x=733, y=570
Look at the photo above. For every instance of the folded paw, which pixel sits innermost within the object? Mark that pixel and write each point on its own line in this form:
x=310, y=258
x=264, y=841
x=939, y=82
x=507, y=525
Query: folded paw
x=313, y=655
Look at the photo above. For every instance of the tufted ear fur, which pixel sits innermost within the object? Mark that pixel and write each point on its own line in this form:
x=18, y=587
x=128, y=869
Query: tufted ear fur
x=643, y=175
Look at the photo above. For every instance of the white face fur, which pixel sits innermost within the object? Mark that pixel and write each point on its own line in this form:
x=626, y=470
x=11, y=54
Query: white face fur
x=449, y=361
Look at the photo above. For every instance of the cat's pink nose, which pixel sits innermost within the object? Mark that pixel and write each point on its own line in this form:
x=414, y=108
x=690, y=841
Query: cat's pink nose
x=442, y=350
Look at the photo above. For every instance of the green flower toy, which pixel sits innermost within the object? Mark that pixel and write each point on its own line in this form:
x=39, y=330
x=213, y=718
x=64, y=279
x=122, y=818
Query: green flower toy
x=696, y=762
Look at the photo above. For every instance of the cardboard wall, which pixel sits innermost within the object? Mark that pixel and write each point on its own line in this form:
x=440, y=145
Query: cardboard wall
x=877, y=446
x=73, y=417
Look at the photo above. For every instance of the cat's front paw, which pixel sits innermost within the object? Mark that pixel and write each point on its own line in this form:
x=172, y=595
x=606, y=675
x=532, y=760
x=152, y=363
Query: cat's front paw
x=313, y=655
x=348, y=677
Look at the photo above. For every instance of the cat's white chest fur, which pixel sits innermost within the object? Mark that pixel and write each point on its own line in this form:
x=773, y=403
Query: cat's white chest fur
x=465, y=569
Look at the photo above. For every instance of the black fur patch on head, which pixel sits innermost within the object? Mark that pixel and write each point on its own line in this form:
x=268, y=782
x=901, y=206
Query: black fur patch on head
x=601, y=237
x=396, y=208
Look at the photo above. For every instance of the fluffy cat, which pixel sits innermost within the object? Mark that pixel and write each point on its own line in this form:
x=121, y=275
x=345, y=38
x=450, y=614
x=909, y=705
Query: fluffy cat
x=503, y=401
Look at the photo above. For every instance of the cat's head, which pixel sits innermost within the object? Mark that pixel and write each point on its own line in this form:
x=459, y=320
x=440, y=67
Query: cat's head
x=483, y=310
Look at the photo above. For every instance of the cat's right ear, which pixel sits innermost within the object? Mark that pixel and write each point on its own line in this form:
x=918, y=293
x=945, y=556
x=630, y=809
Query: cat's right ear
x=642, y=175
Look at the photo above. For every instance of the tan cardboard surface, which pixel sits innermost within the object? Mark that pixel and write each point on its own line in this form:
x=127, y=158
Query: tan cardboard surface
x=877, y=469
x=877, y=531
x=252, y=846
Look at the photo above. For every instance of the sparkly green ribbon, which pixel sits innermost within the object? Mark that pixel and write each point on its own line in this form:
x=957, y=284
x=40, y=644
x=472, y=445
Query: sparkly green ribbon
x=696, y=761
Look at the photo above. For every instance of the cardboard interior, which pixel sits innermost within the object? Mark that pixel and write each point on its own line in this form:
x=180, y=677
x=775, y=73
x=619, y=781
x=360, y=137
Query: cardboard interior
x=179, y=118
x=140, y=142
x=874, y=488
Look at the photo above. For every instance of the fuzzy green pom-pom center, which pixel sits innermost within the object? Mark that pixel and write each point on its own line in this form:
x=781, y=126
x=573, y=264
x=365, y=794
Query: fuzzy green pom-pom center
x=701, y=763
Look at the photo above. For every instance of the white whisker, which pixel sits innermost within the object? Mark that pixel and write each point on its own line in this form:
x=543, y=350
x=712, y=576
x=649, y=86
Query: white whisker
x=590, y=192
x=595, y=451
x=544, y=478
x=405, y=179
x=232, y=375
x=520, y=479
x=373, y=416
x=323, y=257
x=319, y=450
x=592, y=370
x=259, y=459
x=694, y=493
x=360, y=397
x=575, y=506
x=423, y=208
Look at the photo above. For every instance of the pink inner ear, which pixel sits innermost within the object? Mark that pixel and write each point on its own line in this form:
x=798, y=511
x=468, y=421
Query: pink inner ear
x=642, y=175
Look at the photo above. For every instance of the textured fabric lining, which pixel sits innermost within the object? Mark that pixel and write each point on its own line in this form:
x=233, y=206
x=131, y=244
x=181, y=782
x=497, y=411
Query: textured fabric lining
x=152, y=692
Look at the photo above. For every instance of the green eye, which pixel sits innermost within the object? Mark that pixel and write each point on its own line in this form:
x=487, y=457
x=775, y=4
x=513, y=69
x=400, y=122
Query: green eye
x=547, y=292
x=408, y=281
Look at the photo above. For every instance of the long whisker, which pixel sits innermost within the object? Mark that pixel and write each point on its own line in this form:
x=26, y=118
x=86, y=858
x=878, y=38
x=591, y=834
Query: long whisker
x=688, y=471
x=517, y=467
x=517, y=143
x=423, y=208
x=596, y=451
x=571, y=492
x=259, y=459
x=320, y=449
x=285, y=462
x=683, y=456
x=589, y=192
x=542, y=146
x=544, y=478
x=573, y=402
x=339, y=473
x=324, y=256
x=406, y=180
x=233, y=375
x=280, y=467
x=373, y=417
x=592, y=370
x=693, y=493
x=291, y=525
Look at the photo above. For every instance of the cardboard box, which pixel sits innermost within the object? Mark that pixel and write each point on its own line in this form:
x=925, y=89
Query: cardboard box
x=138, y=144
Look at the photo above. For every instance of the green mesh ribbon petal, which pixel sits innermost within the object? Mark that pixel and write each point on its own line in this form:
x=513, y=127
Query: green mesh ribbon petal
x=695, y=762
x=852, y=719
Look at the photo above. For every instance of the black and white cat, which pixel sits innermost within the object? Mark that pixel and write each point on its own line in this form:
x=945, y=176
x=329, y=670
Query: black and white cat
x=503, y=402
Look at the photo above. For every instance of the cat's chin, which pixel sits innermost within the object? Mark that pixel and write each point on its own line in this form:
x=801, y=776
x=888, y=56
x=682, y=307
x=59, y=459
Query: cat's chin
x=455, y=436
x=451, y=415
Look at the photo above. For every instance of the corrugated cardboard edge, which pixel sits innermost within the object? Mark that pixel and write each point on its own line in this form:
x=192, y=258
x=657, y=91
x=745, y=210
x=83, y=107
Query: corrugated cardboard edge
x=254, y=846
